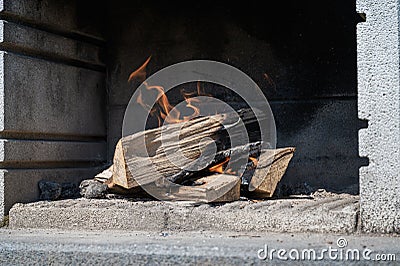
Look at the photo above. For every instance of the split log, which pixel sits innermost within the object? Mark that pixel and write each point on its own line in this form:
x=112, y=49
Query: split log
x=121, y=175
x=271, y=167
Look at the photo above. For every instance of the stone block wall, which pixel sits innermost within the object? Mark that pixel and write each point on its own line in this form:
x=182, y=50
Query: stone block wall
x=379, y=103
x=52, y=96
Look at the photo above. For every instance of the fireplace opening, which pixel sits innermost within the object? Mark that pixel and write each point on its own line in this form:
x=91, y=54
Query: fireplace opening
x=66, y=65
x=302, y=55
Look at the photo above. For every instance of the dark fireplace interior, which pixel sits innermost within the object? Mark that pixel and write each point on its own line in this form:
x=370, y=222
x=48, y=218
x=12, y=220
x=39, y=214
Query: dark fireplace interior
x=302, y=54
x=66, y=63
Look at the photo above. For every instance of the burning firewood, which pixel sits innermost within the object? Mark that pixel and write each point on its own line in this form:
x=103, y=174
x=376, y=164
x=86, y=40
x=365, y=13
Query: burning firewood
x=199, y=185
x=195, y=156
x=130, y=154
x=161, y=145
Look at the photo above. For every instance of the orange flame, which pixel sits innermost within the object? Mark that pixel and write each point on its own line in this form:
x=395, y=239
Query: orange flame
x=166, y=111
x=189, y=104
x=200, y=90
x=219, y=168
x=254, y=160
x=140, y=73
x=230, y=172
x=270, y=81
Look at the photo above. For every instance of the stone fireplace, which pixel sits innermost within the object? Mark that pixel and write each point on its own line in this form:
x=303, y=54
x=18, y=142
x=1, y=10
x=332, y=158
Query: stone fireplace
x=330, y=71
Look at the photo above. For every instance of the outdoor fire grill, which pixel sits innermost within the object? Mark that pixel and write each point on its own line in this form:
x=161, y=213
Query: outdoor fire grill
x=69, y=71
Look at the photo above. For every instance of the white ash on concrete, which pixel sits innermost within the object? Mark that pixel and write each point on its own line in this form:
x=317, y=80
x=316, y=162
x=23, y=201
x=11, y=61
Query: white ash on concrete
x=321, y=212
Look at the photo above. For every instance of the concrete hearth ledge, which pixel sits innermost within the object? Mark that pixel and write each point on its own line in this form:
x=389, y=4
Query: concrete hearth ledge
x=325, y=212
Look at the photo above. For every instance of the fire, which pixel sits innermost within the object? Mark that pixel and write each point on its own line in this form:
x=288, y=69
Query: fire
x=164, y=111
x=140, y=73
x=189, y=103
x=200, y=90
x=254, y=160
x=270, y=81
x=219, y=168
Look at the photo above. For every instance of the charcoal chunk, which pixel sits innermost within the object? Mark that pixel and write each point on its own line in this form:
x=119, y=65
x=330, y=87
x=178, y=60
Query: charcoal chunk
x=92, y=189
x=69, y=191
x=49, y=190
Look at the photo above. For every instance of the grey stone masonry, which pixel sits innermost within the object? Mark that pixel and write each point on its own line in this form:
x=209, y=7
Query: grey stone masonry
x=52, y=96
x=379, y=104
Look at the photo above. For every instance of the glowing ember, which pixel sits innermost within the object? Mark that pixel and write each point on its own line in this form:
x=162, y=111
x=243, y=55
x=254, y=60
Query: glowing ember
x=219, y=168
x=254, y=160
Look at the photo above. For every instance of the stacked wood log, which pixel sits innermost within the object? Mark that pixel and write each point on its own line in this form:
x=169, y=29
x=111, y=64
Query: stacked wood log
x=149, y=160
